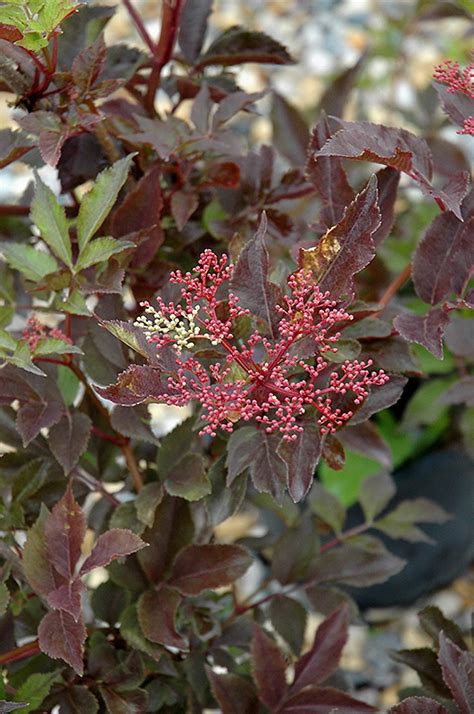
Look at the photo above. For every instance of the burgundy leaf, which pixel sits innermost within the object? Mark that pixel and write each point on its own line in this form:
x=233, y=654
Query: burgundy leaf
x=64, y=532
x=238, y=45
x=325, y=700
x=115, y=543
x=302, y=456
x=68, y=439
x=268, y=669
x=203, y=567
x=242, y=448
x=425, y=663
x=365, y=439
x=231, y=105
x=234, y=694
x=323, y=658
x=418, y=705
x=137, y=384
x=387, y=181
x=434, y=622
x=124, y=702
x=380, y=398
x=141, y=211
x=459, y=335
x=328, y=176
x=426, y=330
x=366, y=563
x=61, y=637
x=183, y=205
x=336, y=96
x=192, y=27
x=68, y=598
x=35, y=562
x=290, y=132
x=268, y=470
x=11, y=34
x=50, y=144
x=442, y=266
x=347, y=247
x=250, y=279
x=458, y=668
x=457, y=105
x=88, y=64
x=461, y=392
x=157, y=617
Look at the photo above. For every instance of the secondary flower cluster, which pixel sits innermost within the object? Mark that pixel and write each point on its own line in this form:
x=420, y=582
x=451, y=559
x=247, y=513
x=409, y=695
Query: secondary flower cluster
x=36, y=331
x=458, y=81
x=273, y=381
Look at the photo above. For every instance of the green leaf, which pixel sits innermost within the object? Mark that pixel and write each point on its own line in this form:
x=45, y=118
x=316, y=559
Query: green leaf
x=188, y=479
x=68, y=384
x=34, y=264
x=22, y=358
x=375, y=493
x=99, y=250
x=4, y=598
x=7, y=342
x=55, y=346
x=98, y=202
x=400, y=523
x=147, y=502
x=345, y=484
x=75, y=304
x=50, y=218
x=425, y=406
x=36, y=689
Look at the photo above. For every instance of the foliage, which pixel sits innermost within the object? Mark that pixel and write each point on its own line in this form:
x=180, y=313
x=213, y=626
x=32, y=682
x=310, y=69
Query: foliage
x=272, y=311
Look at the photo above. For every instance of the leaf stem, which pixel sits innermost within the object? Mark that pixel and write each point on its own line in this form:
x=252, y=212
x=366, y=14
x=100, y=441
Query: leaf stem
x=138, y=22
x=162, y=53
x=394, y=287
x=19, y=653
x=132, y=466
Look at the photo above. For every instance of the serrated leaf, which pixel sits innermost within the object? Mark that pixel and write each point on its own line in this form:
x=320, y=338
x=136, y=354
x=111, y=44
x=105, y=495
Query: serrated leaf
x=147, y=502
x=157, y=615
x=77, y=699
x=98, y=202
x=113, y=544
x=203, y=567
x=323, y=657
x=434, y=622
x=268, y=669
x=50, y=218
x=375, y=493
x=35, y=562
x=68, y=439
x=64, y=532
x=347, y=247
x=302, y=456
x=183, y=205
x=250, y=279
x=418, y=705
x=234, y=694
x=425, y=663
x=124, y=702
x=100, y=250
x=325, y=700
x=55, y=346
x=36, y=688
x=137, y=384
x=192, y=28
x=457, y=667
x=238, y=45
x=34, y=264
x=88, y=65
x=61, y=637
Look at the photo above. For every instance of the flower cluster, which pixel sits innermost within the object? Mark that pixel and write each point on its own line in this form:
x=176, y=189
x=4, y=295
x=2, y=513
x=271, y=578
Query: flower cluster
x=36, y=331
x=460, y=81
x=273, y=382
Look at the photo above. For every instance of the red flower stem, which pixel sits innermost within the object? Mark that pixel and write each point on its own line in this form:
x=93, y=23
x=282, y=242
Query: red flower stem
x=19, y=653
x=113, y=438
x=169, y=27
x=138, y=22
x=51, y=360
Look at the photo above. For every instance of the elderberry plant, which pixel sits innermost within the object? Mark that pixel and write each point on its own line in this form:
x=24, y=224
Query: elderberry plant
x=321, y=289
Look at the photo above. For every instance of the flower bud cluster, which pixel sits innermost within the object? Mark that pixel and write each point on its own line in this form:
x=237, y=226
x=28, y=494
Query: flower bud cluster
x=36, y=331
x=460, y=81
x=271, y=381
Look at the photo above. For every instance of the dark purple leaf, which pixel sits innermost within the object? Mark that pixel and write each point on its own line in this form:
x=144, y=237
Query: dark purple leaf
x=64, y=532
x=200, y=112
x=426, y=330
x=238, y=45
x=333, y=452
x=302, y=456
x=115, y=543
x=129, y=702
x=335, y=97
x=288, y=617
x=290, y=131
x=365, y=439
x=375, y=493
x=459, y=336
x=442, y=266
x=137, y=384
x=172, y=530
x=393, y=354
x=366, y=563
x=183, y=205
x=461, y=392
x=192, y=27
x=323, y=657
x=232, y=104
x=457, y=105
x=68, y=439
x=234, y=694
x=141, y=211
x=203, y=567
x=68, y=598
x=268, y=470
x=418, y=705
x=347, y=247
x=325, y=700
x=250, y=279
x=329, y=178
x=157, y=617
x=242, y=448
x=400, y=523
x=387, y=181
x=88, y=64
x=458, y=667
x=425, y=663
x=50, y=144
x=433, y=622
x=294, y=552
x=61, y=637
x=380, y=398
x=268, y=669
